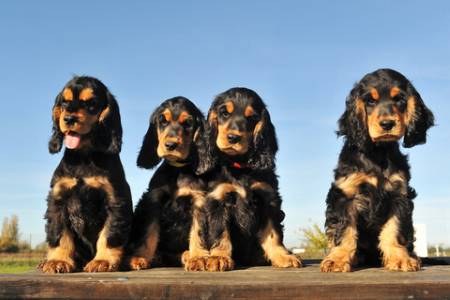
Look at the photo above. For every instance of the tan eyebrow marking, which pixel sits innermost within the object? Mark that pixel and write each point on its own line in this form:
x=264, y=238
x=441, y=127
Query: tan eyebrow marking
x=86, y=94
x=67, y=94
x=374, y=93
x=167, y=114
x=394, y=91
x=183, y=117
x=229, y=106
x=249, y=111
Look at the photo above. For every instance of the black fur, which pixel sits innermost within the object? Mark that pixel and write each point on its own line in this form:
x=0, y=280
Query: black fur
x=360, y=154
x=84, y=210
x=160, y=202
x=245, y=217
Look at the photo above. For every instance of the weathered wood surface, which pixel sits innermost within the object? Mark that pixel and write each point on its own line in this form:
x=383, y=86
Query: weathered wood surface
x=253, y=283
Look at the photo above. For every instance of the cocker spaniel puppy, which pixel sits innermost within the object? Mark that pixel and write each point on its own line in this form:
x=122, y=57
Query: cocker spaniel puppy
x=370, y=203
x=89, y=205
x=167, y=228
x=243, y=203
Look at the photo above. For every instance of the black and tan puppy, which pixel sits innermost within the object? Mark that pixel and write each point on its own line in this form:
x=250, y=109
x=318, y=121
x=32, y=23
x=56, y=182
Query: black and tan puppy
x=370, y=203
x=167, y=221
x=243, y=202
x=89, y=205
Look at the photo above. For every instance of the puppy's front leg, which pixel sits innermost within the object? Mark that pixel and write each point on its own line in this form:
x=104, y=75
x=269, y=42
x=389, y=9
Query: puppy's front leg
x=195, y=258
x=220, y=254
x=145, y=231
x=61, y=246
x=271, y=236
x=107, y=257
x=341, y=230
x=142, y=257
x=395, y=255
x=60, y=259
x=220, y=258
x=271, y=242
x=114, y=235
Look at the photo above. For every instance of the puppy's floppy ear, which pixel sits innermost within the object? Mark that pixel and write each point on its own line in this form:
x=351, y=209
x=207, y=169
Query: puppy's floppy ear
x=352, y=123
x=57, y=137
x=148, y=157
x=265, y=144
x=418, y=120
x=204, y=159
x=110, y=126
x=205, y=141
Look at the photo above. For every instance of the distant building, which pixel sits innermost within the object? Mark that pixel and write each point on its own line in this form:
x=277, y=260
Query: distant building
x=421, y=244
x=298, y=250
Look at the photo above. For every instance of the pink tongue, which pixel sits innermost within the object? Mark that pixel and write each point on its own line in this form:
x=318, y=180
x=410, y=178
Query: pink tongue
x=72, y=140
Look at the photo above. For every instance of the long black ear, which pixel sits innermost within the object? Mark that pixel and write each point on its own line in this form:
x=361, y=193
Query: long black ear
x=57, y=137
x=206, y=143
x=110, y=126
x=204, y=158
x=148, y=157
x=265, y=144
x=352, y=123
x=418, y=120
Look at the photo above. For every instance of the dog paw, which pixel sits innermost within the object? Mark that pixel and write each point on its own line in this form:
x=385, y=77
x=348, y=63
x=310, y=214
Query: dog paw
x=138, y=263
x=219, y=263
x=286, y=261
x=405, y=264
x=56, y=266
x=330, y=264
x=195, y=264
x=99, y=265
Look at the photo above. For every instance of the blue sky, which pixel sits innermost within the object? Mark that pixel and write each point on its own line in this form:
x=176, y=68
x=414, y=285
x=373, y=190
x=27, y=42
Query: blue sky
x=302, y=57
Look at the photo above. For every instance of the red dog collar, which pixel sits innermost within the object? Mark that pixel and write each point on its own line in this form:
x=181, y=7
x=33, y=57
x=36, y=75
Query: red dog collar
x=237, y=165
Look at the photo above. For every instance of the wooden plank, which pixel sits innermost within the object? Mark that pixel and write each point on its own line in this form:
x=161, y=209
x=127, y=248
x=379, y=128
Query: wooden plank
x=253, y=283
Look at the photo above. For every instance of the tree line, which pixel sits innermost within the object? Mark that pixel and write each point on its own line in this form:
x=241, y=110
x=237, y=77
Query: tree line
x=10, y=240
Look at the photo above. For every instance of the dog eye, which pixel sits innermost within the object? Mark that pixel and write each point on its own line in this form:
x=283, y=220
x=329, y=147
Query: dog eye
x=188, y=123
x=91, y=109
x=253, y=117
x=224, y=112
x=399, y=98
x=162, y=120
x=370, y=101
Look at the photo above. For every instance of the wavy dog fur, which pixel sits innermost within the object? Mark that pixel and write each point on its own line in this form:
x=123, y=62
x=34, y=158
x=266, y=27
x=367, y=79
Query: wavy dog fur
x=243, y=203
x=166, y=228
x=370, y=203
x=89, y=205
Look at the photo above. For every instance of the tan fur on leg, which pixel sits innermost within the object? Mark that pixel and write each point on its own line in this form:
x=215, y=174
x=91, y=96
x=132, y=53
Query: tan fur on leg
x=220, y=259
x=341, y=257
x=60, y=259
x=195, y=258
x=106, y=259
x=197, y=254
x=274, y=249
x=395, y=256
x=143, y=256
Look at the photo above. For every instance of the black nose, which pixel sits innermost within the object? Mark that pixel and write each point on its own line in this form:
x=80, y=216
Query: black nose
x=171, y=145
x=70, y=120
x=387, y=124
x=233, y=139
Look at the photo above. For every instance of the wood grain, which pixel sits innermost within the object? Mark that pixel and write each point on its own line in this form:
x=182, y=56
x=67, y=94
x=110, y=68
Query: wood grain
x=432, y=282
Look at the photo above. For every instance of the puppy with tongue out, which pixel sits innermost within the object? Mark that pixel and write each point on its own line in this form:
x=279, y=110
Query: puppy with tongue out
x=82, y=111
x=89, y=204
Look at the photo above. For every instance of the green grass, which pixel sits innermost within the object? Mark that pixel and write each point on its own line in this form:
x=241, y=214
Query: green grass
x=17, y=268
x=18, y=263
